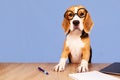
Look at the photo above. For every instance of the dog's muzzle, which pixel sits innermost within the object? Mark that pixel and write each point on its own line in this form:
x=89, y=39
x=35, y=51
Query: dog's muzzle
x=76, y=24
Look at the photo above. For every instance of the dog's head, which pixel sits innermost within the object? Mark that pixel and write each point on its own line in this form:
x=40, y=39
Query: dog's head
x=77, y=17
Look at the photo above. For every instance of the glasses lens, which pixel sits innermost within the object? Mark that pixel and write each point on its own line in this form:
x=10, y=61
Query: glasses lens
x=69, y=15
x=82, y=13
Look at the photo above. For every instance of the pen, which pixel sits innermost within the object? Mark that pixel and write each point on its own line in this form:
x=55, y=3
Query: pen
x=44, y=71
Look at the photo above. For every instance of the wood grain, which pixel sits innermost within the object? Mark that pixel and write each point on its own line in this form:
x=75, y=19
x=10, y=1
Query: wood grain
x=29, y=71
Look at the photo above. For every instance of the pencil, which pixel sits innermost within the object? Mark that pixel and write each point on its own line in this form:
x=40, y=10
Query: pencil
x=42, y=70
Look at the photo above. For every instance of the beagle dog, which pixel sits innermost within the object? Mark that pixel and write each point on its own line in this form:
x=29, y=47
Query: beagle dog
x=77, y=24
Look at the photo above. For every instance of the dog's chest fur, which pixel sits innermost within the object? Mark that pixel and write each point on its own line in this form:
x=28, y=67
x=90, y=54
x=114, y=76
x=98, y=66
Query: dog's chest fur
x=75, y=44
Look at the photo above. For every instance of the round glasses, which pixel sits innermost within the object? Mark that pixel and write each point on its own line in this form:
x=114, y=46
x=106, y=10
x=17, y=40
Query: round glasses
x=82, y=12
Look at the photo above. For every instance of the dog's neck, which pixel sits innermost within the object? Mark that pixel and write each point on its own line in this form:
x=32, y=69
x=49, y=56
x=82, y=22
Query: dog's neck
x=84, y=34
x=81, y=34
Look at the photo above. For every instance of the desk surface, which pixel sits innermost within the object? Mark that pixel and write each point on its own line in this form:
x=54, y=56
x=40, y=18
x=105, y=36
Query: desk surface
x=29, y=71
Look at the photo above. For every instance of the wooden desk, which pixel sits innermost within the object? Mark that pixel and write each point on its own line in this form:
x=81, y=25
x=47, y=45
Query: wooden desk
x=29, y=71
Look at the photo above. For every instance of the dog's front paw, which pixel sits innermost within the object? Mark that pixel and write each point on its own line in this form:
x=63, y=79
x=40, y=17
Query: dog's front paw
x=59, y=67
x=83, y=66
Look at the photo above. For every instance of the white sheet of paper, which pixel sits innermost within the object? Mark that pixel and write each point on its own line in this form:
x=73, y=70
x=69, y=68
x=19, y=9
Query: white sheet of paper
x=93, y=75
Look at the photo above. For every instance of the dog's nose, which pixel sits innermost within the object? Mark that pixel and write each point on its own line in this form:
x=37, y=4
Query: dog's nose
x=76, y=22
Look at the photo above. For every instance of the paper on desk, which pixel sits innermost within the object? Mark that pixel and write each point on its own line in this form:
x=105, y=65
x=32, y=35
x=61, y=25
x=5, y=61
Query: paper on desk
x=93, y=75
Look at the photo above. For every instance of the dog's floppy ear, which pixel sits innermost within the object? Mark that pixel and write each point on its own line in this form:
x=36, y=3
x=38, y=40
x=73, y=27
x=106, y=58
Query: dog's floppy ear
x=66, y=25
x=88, y=23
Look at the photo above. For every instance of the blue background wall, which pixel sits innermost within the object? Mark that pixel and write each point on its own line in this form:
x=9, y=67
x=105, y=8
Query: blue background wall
x=30, y=30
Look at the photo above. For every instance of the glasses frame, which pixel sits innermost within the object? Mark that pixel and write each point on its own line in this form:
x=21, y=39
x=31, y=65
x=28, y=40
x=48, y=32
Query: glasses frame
x=75, y=13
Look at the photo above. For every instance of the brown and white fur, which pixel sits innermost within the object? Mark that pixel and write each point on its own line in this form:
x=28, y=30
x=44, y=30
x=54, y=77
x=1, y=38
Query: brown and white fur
x=77, y=43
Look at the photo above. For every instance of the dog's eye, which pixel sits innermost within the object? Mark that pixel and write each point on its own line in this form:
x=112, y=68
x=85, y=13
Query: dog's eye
x=69, y=15
x=82, y=13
